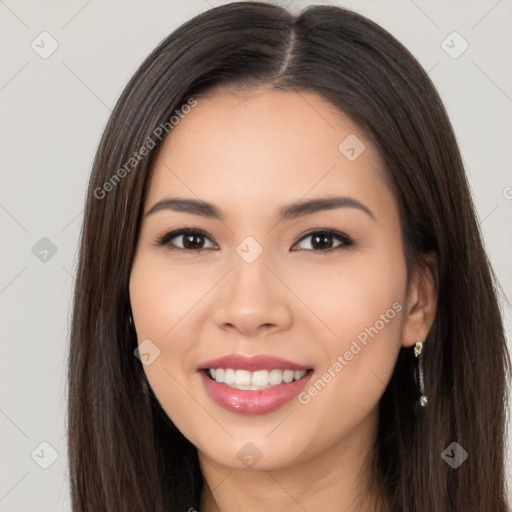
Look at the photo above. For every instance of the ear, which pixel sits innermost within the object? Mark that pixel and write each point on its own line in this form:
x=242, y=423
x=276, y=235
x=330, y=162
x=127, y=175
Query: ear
x=421, y=301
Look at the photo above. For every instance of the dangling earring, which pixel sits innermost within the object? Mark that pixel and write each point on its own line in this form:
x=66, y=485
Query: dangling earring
x=130, y=318
x=418, y=352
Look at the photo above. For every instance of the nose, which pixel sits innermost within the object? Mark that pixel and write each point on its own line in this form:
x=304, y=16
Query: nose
x=252, y=298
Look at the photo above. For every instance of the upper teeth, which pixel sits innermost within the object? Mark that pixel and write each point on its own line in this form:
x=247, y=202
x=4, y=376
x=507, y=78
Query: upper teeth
x=261, y=379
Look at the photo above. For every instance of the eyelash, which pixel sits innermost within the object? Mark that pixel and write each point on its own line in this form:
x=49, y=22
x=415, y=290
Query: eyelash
x=347, y=241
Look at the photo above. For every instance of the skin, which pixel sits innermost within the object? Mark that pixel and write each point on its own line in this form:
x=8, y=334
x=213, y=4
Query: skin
x=250, y=152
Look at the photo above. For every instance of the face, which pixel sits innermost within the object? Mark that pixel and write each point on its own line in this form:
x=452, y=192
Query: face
x=304, y=304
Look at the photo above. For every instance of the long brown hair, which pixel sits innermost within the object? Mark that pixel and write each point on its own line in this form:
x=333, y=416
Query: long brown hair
x=124, y=452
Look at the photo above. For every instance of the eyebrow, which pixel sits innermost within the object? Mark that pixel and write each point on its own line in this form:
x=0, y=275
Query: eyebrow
x=288, y=212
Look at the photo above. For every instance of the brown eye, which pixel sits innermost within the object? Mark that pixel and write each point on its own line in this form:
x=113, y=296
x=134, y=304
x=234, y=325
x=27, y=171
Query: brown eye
x=191, y=240
x=322, y=240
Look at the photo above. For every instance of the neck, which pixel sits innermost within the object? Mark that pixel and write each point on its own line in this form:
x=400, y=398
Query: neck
x=340, y=479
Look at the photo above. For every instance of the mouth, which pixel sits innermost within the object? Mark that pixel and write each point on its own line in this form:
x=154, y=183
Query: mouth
x=253, y=384
x=246, y=380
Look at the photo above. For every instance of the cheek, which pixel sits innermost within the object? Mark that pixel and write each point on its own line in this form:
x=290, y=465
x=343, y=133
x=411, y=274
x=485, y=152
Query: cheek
x=162, y=302
x=351, y=296
x=360, y=303
x=161, y=297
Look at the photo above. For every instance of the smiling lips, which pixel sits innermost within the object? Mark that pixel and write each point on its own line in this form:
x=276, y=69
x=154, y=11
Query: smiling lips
x=253, y=385
x=261, y=379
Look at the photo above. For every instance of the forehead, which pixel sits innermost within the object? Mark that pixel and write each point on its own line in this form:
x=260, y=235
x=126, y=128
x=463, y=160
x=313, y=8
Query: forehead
x=260, y=146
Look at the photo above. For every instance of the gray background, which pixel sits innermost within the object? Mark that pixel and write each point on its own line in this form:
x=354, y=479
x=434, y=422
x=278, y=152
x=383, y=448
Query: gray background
x=52, y=114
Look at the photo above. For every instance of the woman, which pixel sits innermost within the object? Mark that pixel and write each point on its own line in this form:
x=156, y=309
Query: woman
x=283, y=300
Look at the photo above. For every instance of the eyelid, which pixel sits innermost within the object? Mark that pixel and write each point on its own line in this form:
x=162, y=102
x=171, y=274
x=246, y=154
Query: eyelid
x=164, y=240
x=346, y=240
